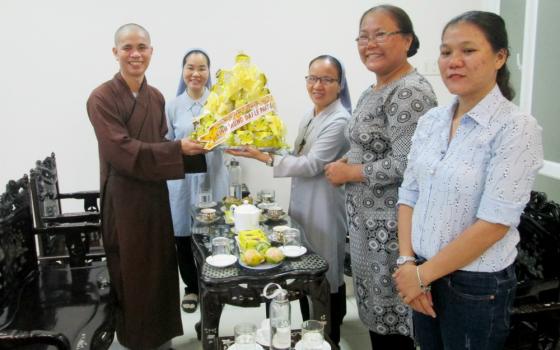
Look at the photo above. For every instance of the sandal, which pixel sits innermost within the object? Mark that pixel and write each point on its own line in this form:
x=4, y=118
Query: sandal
x=189, y=303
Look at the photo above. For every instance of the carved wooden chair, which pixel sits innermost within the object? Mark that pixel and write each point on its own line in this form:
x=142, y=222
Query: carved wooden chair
x=43, y=304
x=536, y=313
x=80, y=229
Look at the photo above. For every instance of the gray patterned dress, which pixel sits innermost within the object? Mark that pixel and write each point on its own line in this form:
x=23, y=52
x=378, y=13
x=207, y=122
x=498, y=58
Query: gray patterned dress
x=380, y=133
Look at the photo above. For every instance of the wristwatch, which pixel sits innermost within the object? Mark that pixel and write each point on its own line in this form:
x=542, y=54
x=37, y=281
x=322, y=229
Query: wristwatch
x=403, y=259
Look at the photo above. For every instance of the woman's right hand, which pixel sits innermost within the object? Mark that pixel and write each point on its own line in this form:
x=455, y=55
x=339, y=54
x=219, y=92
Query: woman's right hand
x=249, y=152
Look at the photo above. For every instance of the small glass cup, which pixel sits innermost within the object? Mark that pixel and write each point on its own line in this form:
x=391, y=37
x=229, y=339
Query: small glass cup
x=204, y=198
x=312, y=335
x=292, y=237
x=266, y=196
x=221, y=246
x=245, y=336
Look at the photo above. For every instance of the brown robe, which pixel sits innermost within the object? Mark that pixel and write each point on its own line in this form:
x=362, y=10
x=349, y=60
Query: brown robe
x=135, y=160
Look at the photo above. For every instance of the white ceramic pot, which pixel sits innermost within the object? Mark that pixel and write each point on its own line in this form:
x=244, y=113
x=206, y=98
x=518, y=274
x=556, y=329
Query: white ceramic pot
x=245, y=216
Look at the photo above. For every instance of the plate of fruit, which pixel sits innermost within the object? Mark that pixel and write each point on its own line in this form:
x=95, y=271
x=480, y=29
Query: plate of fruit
x=256, y=252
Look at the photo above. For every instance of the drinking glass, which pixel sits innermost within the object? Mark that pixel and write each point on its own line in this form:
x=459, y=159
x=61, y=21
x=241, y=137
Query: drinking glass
x=292, y=237
x=266, y=196
x=245, y=336
x=221, y=246
x=312, y=335
x=204, y=197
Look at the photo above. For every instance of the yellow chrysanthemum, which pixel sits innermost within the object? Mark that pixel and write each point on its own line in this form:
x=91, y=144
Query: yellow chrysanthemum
x=234, y=88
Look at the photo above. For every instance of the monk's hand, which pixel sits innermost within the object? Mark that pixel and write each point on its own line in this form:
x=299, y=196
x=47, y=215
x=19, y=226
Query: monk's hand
x=191, y=148
x=335, y=173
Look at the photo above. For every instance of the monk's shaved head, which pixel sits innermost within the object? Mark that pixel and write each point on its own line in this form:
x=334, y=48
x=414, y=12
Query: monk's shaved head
x=130, y=27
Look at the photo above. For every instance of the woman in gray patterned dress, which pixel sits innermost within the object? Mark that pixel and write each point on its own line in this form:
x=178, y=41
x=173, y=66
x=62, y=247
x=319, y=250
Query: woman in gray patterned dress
x=380, y=135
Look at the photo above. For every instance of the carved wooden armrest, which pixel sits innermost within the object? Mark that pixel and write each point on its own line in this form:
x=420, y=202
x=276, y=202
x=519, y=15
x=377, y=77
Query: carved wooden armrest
x=87, y=216
x=79, y=195
x=16, y=338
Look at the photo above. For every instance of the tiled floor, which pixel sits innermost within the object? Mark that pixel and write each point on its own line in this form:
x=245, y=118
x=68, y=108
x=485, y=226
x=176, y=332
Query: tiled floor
x=353, y=333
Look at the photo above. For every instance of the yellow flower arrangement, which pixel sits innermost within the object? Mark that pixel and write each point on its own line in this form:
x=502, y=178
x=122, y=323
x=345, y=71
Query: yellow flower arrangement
x=242, y=85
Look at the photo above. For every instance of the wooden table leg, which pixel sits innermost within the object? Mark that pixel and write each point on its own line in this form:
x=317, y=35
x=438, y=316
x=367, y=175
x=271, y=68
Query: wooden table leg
x=210, y=313
x=319, y=295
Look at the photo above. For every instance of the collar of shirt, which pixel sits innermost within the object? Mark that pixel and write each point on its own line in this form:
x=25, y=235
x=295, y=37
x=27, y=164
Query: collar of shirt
x=191, y=102
x=312, y=121
x=484, y=110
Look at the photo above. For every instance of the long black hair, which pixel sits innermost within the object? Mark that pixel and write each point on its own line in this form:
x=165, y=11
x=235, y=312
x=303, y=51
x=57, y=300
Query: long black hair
x=403, y=22
x=494, y=29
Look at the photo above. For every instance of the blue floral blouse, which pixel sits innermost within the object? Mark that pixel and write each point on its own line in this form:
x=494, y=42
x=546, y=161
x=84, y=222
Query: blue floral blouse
x=486, y=172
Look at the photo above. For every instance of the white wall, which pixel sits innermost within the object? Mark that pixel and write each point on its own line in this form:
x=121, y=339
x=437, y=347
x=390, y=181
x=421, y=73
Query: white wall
x=53, y=53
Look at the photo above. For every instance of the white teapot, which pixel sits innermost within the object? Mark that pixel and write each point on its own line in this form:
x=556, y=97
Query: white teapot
x=245, y=216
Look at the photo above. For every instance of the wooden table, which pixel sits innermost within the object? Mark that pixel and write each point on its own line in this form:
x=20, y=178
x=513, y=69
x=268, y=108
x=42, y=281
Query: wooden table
x=239, y=286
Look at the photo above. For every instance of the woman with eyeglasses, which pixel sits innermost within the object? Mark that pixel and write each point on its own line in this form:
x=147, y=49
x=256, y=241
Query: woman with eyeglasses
x=380, y=133
x=314, y=203
x=192, y=93
x=471, y=169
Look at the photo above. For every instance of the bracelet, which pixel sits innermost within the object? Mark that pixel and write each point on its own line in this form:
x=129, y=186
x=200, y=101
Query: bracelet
x=424, y=288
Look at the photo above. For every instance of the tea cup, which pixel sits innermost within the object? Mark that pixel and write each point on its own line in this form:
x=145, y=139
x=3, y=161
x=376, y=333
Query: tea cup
x=208, y=213
x=275, y=212
x=278, y=232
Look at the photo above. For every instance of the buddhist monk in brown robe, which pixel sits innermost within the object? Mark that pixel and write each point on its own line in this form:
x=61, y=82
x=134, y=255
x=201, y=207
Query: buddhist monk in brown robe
x=129, y=121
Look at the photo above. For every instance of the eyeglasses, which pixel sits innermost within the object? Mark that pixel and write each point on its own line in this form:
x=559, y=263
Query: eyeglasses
x=311, y=80
x=379, y=37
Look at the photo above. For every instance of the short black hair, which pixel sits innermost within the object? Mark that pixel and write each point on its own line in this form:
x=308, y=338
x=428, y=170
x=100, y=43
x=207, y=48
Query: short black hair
x=333, y=60
x=403, y=22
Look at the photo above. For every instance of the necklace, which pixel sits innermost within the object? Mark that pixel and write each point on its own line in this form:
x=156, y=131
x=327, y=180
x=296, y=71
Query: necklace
x=306, y=130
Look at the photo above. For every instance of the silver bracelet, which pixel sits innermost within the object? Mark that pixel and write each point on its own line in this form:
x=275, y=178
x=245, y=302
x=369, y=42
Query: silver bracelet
x=424, y=288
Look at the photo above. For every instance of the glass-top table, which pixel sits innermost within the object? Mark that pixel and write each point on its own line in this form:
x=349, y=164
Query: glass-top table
x=240, y=286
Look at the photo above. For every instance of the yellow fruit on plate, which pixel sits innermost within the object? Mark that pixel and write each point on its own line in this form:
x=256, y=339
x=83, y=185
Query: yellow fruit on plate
x=262, y=246
x=251, y=257
x=274, y=255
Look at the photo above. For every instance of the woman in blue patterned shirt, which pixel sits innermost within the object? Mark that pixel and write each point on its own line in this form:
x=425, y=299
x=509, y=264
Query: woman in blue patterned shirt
x=470, y=172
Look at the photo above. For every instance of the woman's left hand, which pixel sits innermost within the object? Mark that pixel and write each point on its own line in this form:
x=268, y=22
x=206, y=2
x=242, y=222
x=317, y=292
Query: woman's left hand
x=408, y=286
x=335, y=173
x=423, y=304
x=407, y=283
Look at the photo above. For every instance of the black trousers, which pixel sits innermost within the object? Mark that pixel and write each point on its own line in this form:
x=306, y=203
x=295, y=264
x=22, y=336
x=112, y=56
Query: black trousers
x=338, y=311
x=185, y=260
x=390, y=341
